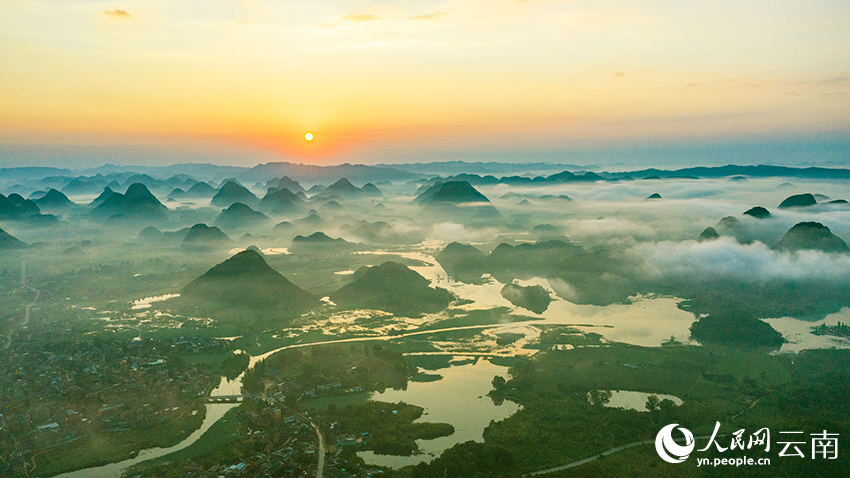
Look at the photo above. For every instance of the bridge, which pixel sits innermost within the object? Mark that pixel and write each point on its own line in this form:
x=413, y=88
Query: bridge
x=224, y=399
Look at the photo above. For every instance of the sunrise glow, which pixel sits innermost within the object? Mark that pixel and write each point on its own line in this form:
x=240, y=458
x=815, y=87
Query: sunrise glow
x=425, y=79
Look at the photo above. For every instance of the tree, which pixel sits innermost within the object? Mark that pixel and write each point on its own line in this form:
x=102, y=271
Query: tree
x=600, y=397
x=522, y=373
x=667, y=407
x=653, y=403
x=252, y=381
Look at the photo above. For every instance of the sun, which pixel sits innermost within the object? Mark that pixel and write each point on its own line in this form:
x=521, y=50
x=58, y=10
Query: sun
x=308, y=136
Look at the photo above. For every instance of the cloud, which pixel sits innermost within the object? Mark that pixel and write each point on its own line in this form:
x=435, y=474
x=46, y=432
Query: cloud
x=619, y=74
x=609, y=227
x=428, y=16
x=118, y=13
x=243, y=22
x=361, y=17
x=725, y=258
x=564, y=289
x=450, y=232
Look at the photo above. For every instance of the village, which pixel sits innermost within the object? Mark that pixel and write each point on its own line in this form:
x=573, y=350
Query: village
x=290, y=401
x=59, y=392
x=280, y=444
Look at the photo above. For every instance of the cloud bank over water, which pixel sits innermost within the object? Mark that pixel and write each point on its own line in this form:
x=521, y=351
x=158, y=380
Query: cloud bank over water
x=724, y=258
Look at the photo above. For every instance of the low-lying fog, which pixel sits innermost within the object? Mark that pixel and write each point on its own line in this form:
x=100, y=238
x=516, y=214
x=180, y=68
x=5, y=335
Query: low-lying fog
x=632, y=245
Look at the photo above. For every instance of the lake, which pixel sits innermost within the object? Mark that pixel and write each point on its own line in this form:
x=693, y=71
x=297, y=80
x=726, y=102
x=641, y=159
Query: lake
x=459, y=398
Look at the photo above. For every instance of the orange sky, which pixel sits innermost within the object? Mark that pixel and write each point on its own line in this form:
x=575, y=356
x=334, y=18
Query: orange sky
x=463, y=74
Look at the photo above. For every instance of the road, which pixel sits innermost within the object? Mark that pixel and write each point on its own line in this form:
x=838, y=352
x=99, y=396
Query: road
x=26, y=313
x=588, y=460
x=321, y=466
x=378, y=338
x=606, y=453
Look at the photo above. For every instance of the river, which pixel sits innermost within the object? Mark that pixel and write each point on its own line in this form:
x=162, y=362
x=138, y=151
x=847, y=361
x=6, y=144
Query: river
x=115, y=470
x=647, y=321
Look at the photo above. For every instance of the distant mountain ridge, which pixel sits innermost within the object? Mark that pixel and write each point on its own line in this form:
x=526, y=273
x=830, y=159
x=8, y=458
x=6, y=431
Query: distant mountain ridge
x=309, y=173
x=398, y=172
x=490, y=167
x=166, y=178
x=763, y=171
x=690, y=173
x=34, y=172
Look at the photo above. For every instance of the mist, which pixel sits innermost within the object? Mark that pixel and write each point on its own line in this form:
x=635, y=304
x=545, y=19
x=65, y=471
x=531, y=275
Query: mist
x=205, y=271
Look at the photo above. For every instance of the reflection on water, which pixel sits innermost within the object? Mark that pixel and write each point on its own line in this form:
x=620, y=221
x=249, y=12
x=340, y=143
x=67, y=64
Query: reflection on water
x=228, y=387
x=460, y=399
x=214, y=413
x=647, y=321
x=273, y=251
x=799, y=335
x=634, y=400
x=147, y=301
x=115, y=470
x=269, y=251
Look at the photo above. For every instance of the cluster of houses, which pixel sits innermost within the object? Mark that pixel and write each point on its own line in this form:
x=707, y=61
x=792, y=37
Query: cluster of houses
x=54, y=391
x=284, y=444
